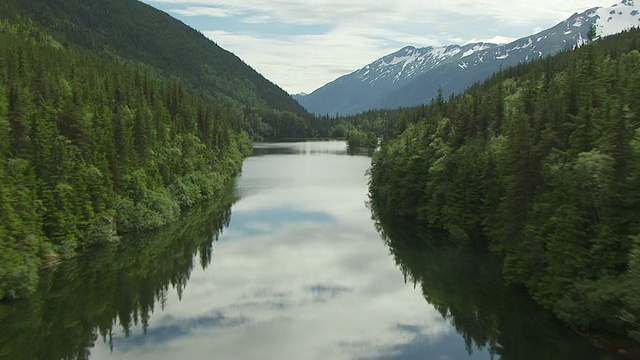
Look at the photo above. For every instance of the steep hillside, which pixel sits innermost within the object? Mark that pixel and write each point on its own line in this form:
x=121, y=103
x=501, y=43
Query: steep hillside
x=132, y=32
x=413, y=76
x=91, y=148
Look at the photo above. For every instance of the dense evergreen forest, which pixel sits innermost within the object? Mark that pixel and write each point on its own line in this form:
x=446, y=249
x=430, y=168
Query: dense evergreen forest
x=90, y=148
x=464, y=284
x=541, y=164
x=133, y=33
x=115, y=288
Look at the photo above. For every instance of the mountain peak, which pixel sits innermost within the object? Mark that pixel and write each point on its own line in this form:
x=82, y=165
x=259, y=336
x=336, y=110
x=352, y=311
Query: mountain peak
x=408, y=48
x=616, y=18
x=412, y=76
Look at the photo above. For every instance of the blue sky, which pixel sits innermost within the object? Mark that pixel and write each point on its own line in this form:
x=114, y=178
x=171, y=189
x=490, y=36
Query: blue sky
x=302, y=45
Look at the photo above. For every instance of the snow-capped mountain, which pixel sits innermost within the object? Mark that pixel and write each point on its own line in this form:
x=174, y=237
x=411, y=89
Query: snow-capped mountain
x=412, y=76
x=410, y=62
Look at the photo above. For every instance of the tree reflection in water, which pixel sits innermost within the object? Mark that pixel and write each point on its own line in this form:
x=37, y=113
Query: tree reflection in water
x=465, y=285
x=85, y=298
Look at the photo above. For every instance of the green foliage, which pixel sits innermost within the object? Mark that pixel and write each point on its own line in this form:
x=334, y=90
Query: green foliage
x=464, y=285
x=90, y=149
x=119, y=283
x=21, y=239
x=540, y=162
x=132, y=32
x=631, y=299
x=359, y=138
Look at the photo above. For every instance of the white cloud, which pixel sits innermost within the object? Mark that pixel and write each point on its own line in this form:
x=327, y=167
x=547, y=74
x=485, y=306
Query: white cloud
x=302, y=62
x=310, y=43
x=389, y=11
x=205, y=11
x=259, y=19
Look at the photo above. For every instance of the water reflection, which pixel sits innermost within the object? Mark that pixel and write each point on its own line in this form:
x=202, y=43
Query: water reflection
x=333, y=147
x=111, y=292
x=465, y=286
x=300, y=148
x=299, y=273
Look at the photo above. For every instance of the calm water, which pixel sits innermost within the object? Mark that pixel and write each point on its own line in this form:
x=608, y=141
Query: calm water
x=288, y=265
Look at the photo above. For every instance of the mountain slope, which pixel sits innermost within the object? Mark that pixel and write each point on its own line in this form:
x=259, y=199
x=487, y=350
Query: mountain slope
x=412, y=76
x=133, y=32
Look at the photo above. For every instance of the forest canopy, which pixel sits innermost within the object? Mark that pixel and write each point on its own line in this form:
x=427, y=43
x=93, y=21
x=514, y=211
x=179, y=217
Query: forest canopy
x=541, y=163
x=91, y=148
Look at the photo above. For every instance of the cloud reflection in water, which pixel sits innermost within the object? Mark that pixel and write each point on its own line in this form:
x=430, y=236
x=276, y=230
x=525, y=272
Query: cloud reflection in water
x=300, y=273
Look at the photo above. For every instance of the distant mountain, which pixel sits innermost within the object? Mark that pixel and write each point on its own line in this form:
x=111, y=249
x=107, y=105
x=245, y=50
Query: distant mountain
x=412, y=76
x=129, y=31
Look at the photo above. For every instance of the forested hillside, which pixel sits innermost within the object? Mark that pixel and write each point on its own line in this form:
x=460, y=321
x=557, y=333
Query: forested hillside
x=133, y=33
x=541, y=163
x=91, y=148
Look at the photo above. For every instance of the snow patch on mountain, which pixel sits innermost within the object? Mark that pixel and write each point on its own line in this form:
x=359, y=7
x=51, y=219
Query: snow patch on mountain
x=413, y=75
x=479, y=47
x=410, y=62
x=617, y=18
x=446, y=52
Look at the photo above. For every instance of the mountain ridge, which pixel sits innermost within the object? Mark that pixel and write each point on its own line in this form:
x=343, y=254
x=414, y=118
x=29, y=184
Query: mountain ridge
x=412, y=76
x=135, y=32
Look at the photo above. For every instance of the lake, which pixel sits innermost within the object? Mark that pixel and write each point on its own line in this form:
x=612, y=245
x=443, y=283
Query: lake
x=288, y=264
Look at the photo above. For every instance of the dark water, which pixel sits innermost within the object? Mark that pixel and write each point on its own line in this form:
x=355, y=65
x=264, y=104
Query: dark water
x=288, y=265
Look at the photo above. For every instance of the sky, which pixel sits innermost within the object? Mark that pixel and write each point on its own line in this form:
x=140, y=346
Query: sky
x=302, y=45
